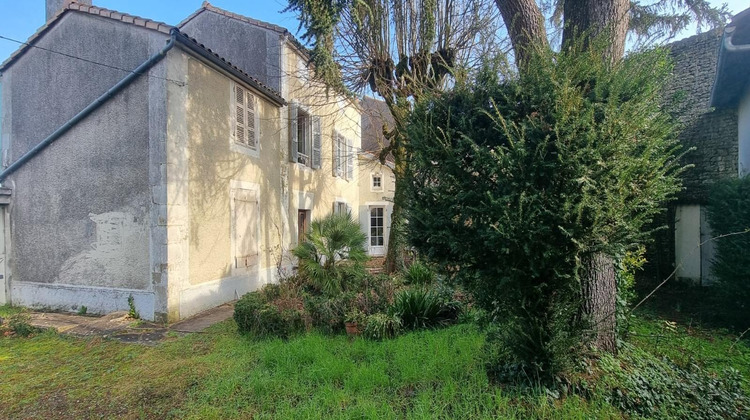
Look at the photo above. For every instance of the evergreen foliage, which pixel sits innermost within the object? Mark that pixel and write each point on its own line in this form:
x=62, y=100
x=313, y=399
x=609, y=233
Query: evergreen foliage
x=333, y=250
x=512, y=181
x=729, y=214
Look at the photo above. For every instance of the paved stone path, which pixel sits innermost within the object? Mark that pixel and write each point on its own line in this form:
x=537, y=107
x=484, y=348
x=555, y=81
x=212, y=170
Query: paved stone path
x=119, y=326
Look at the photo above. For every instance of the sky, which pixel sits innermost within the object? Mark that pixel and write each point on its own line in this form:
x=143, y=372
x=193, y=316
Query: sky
x=20, y=19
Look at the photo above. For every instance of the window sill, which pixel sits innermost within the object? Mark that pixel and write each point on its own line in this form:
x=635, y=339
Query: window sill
x=303, y=166
x=243, y=149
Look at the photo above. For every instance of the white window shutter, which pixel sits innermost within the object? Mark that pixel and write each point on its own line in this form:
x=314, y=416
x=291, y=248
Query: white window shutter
x=349, y=160
x=239, y=115
x=252, y=121
x=245, y=225
x=293, y=111
x=336, y=164
x=316, y=142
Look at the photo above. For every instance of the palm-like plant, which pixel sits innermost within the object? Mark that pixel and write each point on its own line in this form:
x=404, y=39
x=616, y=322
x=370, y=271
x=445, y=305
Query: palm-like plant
x=334, y=245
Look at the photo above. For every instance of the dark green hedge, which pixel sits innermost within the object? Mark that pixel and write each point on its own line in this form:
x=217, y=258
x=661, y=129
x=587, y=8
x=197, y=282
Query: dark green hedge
x=729, y=214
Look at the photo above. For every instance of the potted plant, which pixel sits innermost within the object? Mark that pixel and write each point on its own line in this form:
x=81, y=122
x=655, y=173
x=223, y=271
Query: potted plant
x=353, y=321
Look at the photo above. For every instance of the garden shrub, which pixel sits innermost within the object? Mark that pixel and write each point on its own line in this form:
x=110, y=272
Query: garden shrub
x=381, y=326
x=422, y=308
x=327, y=313
x=255, y=315
x=535, y=174
x=20, y=325
x=728, y=214
x=419, y=274
x=332, y=253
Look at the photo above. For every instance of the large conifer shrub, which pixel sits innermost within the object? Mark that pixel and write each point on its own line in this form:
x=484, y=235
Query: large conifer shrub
x=513, y=180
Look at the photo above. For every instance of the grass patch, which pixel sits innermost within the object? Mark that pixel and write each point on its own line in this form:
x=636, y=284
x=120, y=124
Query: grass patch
x=7, y=310
x=687, y=344
x=221, y=374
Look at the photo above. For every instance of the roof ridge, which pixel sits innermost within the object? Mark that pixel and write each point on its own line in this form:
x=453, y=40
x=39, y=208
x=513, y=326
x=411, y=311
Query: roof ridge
x=92, y=10
x=124, y=17
x=207, y=6
x=276, y=28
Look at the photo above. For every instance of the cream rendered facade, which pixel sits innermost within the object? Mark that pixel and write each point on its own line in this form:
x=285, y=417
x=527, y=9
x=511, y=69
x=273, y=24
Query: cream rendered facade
x=156, y=196
x=208, y=171
x=303, y=188
x=377, y=185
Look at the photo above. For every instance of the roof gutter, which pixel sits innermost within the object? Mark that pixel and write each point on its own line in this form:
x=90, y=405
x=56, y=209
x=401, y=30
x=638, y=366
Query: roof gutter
x=143, y=68
x=729, y=45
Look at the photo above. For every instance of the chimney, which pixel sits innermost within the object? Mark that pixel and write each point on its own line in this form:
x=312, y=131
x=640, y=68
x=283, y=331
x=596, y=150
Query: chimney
x=54, y=6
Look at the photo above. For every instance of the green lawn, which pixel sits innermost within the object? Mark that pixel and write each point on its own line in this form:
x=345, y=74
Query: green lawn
x=220, y=374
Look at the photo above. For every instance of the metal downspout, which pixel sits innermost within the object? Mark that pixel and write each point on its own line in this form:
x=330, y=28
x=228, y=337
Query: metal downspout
x=90, y=108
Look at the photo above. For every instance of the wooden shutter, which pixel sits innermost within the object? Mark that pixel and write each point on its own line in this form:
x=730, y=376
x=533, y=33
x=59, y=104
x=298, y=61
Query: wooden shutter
x=316, y=142
x=245, y=228
x=349, y=160
x=336, y=156
x=252, y=127
x=293, y=112
x=239, y=115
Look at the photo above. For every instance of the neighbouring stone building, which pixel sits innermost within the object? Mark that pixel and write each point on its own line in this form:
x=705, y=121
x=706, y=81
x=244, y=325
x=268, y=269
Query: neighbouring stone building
x=174, y=165
x=712, y=131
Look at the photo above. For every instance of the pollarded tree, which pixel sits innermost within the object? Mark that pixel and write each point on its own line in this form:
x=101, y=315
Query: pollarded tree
x=399, y=50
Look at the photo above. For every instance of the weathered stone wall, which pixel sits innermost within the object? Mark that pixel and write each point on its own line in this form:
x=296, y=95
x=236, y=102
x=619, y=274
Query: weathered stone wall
x=81, y=209
x=253, y=49
x=713, y=134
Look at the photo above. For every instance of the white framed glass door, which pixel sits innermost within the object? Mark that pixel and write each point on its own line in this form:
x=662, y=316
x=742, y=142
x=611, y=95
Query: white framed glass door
x=377, y=230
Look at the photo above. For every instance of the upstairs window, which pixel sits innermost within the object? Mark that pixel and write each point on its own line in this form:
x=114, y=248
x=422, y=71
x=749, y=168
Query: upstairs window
x=304, y=137
x=343, y=157
x=246, y=120
x=377, y=182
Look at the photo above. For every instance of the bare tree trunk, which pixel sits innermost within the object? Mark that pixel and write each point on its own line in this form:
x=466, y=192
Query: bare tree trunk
x=525, y=25
x=590, y=18
x=394, y=254
x=599, y=300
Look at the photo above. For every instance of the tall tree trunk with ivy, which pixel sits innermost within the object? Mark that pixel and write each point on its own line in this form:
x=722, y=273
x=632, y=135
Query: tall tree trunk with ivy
x=584, y=20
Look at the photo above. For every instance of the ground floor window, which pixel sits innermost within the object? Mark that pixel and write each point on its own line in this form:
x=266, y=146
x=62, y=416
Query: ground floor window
x=246, y=234
x=377, y=237
x=303, y=225
x=340, y=207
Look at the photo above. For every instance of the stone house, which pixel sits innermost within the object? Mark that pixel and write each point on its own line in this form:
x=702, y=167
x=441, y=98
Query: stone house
x=377, y=183
x=731, y=90
x=140, y=162
x=704, y=94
